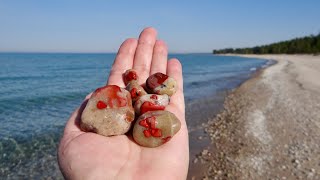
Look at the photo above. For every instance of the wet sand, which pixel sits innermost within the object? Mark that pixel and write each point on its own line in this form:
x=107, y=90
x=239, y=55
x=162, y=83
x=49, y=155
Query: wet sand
x=270, y=125
x=198, y=113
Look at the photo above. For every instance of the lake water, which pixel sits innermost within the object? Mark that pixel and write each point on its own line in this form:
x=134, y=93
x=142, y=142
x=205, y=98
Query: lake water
x=39, y=91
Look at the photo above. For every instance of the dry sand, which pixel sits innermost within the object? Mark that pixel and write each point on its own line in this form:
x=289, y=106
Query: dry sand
x=270, y=125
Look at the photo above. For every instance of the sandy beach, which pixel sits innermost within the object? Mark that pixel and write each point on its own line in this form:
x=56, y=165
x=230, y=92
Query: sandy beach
x=270, y=125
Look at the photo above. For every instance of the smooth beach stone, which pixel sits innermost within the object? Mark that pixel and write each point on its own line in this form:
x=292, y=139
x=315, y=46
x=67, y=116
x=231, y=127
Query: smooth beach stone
x=151, y=102
x=160, y=83
x=135, y=90
x=108, y=112
x=129, y=76
x=155, y=128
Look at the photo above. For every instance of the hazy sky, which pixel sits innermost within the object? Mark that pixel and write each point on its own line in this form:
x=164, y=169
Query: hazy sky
x=186, y=26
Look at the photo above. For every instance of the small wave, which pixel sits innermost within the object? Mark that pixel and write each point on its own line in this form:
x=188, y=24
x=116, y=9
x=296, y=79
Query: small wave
x=41, y=100
x=36, y=154
x=253, y=69
x=17, y=78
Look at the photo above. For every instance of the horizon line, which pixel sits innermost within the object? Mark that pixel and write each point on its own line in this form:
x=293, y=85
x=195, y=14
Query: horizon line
x=78, y=52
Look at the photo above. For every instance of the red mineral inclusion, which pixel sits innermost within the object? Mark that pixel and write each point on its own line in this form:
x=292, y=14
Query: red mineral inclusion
x=111, y=92
x=156, y=132
x=144, y=123
x=154, y=96
x=131, y=75
x=149, y=106
x=150, y=124
x=156, y=80
x=101, y=105
x=134, y=93
x=166, y=139
x=147, y=133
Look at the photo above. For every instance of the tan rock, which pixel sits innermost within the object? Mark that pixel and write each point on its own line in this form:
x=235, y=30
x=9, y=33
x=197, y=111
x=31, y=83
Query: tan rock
x=135, y=90
x=108, y=112
x=160, y=83
x=130, y=76
x=151, y=102
x=155, y=128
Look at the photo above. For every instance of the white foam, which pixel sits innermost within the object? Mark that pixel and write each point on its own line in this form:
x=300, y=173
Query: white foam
x=253, y=69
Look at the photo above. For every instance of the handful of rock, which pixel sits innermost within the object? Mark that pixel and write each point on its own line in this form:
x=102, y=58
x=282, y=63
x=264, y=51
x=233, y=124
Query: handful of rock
x=111, y=110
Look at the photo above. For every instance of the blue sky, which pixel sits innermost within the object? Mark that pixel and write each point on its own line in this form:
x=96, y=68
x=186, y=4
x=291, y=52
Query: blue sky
x=186, y=26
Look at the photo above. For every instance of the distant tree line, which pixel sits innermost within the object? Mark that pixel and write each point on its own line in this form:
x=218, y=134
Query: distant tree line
x=305, y=45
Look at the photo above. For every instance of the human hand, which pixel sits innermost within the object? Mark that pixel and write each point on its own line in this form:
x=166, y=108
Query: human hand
x=86, y=155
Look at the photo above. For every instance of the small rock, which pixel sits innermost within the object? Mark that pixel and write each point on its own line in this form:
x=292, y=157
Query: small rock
x=151, y=102
x=160, y=83
x=204, y=152
x=108, y=112
x=205, y=178
x=130, y=76
x=195, y=160
x=296, y=161
x=155, y=128
x=136, y=91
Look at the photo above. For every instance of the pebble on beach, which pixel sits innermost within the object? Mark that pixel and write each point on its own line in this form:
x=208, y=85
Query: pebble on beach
x=108, y=112
x=155, y=128
x=159, y=83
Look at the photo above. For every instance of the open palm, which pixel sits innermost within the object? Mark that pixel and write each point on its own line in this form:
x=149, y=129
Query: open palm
x=85, y=155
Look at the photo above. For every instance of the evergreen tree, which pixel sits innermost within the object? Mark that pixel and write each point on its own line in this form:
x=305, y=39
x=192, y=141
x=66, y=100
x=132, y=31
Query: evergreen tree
x=304, y=45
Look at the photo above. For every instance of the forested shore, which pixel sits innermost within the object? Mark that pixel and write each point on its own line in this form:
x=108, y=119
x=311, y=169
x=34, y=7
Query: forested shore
x=304, y=45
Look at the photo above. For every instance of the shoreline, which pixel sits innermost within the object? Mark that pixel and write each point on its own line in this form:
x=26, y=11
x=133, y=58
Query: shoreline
x=199, y=111
x=205, y=109
x=269, y=127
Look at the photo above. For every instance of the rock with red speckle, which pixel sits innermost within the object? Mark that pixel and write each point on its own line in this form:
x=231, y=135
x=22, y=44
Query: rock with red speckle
x=135, y=90
x=151, y=102
x=130, y=76
x=160, y=83
x=155, y=128
x=108, y=112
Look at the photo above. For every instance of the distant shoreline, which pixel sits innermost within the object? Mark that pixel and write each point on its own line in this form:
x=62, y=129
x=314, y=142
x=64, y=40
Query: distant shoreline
x=308, y=44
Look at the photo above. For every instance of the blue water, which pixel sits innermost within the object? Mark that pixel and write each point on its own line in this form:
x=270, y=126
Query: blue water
x=39, y=91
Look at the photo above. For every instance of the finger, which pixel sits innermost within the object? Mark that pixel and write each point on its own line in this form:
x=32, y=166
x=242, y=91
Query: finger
x=143, y=56
x=73, y=123
x=159, y=57
x=174, y=70
x=123, y=61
